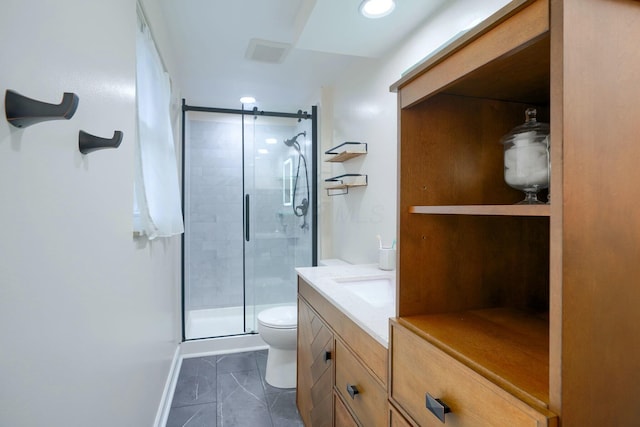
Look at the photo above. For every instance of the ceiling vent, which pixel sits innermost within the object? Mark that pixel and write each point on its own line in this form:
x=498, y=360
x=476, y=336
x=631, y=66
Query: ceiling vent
x=267, y=51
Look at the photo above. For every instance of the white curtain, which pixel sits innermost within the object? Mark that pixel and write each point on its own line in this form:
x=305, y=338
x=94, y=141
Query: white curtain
x=157, y=211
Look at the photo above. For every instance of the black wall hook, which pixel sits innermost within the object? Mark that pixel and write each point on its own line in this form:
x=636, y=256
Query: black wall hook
x=22, y=111
x=88, y=143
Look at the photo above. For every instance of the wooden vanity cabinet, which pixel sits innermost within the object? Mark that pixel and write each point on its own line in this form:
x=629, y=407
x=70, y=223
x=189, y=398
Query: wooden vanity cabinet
x=521, y=315
x=342, y=370
x=315, y=381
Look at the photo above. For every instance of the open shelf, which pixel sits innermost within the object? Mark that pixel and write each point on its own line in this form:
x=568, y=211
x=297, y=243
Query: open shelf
x=343, y=186
x=497, y=210
x=346, y=151
x=507, y=346
x=344, y=156
x=342, y=183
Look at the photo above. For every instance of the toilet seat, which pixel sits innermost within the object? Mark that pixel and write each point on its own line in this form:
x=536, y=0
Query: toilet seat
x=284, y=317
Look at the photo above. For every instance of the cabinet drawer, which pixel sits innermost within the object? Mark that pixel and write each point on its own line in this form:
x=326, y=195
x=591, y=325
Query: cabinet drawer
x=419, y=368
x=341, y=415
x=370, y=403
x=396, y=419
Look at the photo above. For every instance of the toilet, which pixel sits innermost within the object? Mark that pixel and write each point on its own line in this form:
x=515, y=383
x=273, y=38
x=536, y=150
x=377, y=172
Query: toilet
x=278, y=327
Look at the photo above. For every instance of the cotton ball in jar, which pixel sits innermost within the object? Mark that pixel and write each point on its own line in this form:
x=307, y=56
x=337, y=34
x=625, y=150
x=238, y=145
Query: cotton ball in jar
x=526, y=157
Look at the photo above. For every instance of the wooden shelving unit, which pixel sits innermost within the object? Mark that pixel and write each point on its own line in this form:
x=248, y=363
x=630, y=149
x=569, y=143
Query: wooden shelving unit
x=534, y=304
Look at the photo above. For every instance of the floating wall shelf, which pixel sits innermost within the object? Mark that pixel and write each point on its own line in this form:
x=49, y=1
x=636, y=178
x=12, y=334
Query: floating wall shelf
x=346, y=151
x=340, y=184
x=22, y=111
x=341, y=153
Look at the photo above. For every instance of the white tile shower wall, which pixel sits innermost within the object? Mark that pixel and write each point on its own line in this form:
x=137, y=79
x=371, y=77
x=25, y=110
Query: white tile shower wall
x=215, y=215
x=216, y=219
x=281, y=244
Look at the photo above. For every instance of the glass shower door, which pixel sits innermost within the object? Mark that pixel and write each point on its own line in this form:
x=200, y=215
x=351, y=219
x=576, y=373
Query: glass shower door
x=280, y=238
x=213, y=242
x=248, y=218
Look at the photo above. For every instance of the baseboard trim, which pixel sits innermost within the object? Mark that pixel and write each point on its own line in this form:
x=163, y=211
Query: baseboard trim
x=169, y=388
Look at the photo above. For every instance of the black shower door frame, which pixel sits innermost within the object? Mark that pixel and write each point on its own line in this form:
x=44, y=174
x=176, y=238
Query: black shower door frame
x=300, y=115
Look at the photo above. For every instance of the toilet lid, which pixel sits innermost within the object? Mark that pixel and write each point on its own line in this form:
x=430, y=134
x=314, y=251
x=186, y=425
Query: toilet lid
x=279, y=317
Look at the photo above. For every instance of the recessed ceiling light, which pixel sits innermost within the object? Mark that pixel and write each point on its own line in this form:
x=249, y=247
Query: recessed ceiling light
x=376, y=8
x=263, y=151
x=248, y=100
x=271, y=141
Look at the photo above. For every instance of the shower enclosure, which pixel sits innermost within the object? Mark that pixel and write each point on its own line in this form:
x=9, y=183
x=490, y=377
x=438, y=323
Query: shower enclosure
x=249, y=202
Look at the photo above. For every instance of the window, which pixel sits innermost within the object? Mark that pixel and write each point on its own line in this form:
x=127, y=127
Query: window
x=157, y=208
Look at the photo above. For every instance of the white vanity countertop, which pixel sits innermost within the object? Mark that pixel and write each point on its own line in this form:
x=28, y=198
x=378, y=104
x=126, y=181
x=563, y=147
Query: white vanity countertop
x=369, y=310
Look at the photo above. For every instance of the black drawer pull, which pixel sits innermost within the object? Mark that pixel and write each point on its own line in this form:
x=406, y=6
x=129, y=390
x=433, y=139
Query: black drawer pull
x=352, y=390
x=327, y=356
x=437, y=407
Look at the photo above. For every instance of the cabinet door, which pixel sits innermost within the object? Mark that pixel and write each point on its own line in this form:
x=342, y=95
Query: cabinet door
x=315, y=368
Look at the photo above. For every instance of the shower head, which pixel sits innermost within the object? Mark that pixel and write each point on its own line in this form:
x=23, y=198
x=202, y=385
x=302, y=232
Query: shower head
x=293, y=141
x=302, y=209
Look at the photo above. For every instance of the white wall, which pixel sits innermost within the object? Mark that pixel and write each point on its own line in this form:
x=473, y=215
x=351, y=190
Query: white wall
x=364, y=110
x=89, y=316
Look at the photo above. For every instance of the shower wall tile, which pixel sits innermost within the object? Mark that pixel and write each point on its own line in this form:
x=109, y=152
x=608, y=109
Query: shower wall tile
x=216, y=220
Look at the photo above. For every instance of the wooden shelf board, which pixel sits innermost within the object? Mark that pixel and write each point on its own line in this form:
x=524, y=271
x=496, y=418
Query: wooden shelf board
x=507, y=346
x=344, y=156
x=343, y=186
x=496, y=210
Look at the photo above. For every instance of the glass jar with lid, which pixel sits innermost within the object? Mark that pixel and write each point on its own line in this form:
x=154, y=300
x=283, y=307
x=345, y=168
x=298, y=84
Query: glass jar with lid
x=527, y=164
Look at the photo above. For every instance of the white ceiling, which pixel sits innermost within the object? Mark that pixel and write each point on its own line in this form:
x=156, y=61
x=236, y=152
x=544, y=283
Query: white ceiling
x=211, y=37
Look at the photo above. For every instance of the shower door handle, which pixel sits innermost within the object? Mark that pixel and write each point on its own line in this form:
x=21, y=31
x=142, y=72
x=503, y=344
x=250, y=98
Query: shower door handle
x=246, y=217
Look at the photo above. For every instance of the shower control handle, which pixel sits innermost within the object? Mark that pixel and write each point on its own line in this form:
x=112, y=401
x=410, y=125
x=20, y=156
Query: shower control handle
x=246, y=217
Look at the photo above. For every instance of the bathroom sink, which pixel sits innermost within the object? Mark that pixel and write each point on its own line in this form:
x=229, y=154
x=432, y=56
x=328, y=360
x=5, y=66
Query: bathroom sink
x=377, y=291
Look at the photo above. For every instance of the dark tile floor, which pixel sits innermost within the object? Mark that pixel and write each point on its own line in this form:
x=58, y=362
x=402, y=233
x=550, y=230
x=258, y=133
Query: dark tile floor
x=229, y=390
